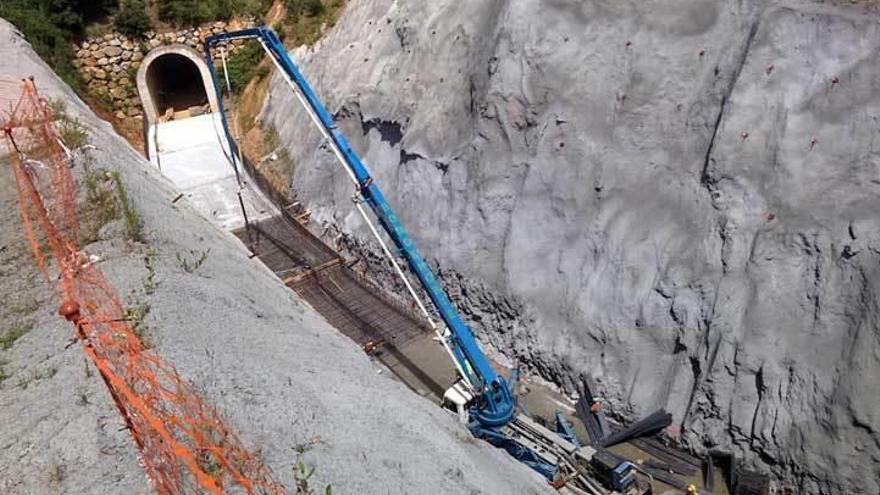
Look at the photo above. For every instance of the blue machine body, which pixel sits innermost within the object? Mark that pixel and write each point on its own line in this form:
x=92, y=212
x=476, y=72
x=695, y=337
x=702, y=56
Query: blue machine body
x=494, y=404
x=563, y=427
x=623, y=476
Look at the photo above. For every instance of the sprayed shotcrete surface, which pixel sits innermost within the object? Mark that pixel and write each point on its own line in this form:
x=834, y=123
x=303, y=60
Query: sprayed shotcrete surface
x=679, y=198
x=279, y=373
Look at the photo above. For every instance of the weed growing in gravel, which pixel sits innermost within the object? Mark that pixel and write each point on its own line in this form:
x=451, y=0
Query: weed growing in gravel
x=149, y=281
x=87, y=371
x=100, y=207
x=3, y=374
x=107, y=200
x=73, y=133
x=130, y=217
x=83, y=396
x=25, y=380
x=190, y=263
x=15, y=332
x=26, y=308
x=56, y=473
x=136, y=313
x=302, y=473
x=208, y=464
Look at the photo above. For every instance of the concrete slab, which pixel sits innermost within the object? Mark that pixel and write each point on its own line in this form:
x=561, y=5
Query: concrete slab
x=194, y=155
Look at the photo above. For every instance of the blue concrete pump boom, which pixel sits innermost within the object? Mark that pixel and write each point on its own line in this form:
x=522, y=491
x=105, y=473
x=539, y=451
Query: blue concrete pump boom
x=494, y=402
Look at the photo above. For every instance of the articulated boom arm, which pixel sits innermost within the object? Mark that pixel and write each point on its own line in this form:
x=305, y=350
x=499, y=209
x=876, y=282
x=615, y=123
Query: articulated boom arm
x=495, y=404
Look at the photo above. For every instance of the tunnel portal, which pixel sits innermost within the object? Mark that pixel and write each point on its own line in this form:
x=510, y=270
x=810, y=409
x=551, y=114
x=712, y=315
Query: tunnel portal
x=175, y=84
x=173, y=79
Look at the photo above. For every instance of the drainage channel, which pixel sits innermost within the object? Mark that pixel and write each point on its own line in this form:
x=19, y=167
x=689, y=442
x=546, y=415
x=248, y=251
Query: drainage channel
x=400, y=339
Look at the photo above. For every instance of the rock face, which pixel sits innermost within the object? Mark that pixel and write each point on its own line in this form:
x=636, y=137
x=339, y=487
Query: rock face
x=275, y=369
x=679, y=198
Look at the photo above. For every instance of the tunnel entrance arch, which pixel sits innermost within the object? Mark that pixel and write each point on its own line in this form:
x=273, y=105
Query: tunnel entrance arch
x=174, y=78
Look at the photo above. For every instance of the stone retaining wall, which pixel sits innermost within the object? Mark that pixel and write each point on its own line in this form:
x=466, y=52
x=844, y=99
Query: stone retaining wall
x=108, y=64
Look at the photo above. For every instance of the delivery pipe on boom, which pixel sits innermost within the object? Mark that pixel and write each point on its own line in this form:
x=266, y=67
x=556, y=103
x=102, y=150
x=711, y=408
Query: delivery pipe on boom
x=494, y=403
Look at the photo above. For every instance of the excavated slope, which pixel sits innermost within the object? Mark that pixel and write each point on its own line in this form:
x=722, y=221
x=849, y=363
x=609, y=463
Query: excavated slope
x=276, y=370
x=679, y=198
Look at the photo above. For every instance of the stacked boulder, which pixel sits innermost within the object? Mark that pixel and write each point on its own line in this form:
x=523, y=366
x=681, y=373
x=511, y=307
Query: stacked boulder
x=108, y=64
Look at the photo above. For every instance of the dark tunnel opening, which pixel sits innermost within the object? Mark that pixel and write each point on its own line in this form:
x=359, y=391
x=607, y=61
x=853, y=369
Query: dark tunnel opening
x=176, y=84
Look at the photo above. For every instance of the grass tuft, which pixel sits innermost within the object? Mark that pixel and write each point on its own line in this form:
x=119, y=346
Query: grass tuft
x=191, y=262
x=130, y=217
x=15, y=332
x=302, y=475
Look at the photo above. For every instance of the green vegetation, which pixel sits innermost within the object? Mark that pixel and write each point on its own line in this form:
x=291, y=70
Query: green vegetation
x=83, y=396
x=136, y=314
x=244, y=65
x=149, y=281
x=3, y=374
x=302, y=473
x=191, y=263
x=25, y=380
x=100, y=207
x=13, y=333
x=72, y=132
x=297, y=8
x=192, y=12
x=51, y=26
x=106, y=201
x=132, y=220
x=132, y=19
x=302, y=25
x=305, y=19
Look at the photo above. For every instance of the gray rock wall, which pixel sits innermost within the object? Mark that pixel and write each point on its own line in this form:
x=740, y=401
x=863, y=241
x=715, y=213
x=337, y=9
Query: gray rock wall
x=679, y=198
x=277, y=372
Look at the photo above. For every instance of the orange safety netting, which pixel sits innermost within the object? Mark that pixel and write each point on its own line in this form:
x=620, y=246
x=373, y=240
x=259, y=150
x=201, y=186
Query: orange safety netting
x=185, y=447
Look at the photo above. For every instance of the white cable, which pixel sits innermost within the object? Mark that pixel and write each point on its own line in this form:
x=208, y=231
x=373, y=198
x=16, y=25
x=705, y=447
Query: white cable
x=440, y=334
x=339, y=156
x=232, y=104
x=66, y=150
x=311, y=112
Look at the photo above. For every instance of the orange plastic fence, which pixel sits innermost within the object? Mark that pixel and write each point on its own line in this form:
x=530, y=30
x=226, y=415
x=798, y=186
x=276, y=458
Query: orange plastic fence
x=185, y=447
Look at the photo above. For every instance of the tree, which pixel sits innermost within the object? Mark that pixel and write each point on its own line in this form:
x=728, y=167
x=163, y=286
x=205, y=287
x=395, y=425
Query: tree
x=312, y=8
x=132, y=19
x=51, y=25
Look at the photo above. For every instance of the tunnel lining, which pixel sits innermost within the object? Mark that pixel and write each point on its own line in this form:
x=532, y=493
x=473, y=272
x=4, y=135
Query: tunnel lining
x=174, y=75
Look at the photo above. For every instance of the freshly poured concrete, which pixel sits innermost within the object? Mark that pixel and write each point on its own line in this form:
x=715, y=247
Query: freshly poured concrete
x=193, y=154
